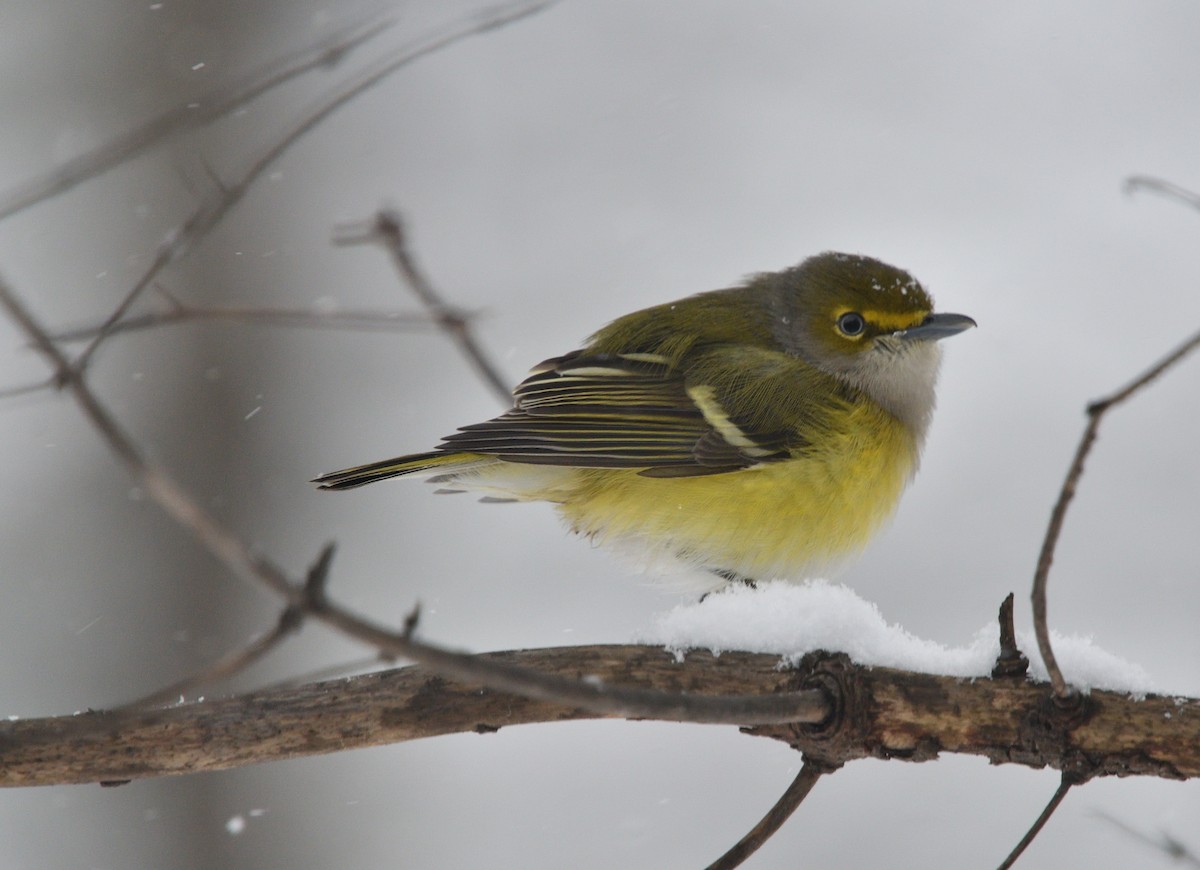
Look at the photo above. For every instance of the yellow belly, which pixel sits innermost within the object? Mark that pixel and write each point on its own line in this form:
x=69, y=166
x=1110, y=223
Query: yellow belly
x=785, y=519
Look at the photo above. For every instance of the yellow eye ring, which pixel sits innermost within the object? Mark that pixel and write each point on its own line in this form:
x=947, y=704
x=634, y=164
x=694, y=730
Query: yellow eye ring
x=851, y=324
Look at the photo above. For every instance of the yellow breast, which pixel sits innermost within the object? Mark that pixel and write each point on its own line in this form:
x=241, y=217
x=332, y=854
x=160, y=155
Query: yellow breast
x=782, y=519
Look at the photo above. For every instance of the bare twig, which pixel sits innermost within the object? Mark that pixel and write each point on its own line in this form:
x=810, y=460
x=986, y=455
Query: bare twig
x=208, y=215
x=1063, y=787
x=387, y=229
x=1173, y=848
x=196, y=114
x=1095, y=412
x=296, y=318
x=1157, y=185
x=774, y=819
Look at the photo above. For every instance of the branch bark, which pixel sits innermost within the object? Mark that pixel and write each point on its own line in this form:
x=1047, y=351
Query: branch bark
x=878, y=712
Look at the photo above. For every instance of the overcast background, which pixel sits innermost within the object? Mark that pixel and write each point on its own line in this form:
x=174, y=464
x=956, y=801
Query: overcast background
x=590, y=160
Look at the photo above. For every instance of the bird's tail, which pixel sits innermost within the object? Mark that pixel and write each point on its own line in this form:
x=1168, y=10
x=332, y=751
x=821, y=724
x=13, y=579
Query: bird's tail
x=414, y=463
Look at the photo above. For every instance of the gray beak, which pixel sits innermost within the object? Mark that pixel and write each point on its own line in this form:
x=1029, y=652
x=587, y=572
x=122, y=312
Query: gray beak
x=936, y=327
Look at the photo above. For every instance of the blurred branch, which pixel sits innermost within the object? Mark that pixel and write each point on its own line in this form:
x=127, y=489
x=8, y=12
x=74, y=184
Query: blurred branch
x=1173, y=848
x=296, y=318
x=27, y=389
x=1040, y=822
x=774, y=819
x=192, y=116
x=1095, y=412
x=387, y=229
x=1135, y=183
x=209, y=214
x=880, y=713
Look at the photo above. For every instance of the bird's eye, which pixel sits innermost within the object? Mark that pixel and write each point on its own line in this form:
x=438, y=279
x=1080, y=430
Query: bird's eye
x=851, y=324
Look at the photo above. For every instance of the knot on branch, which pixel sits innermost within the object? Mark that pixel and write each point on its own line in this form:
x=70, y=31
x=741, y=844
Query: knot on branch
x=839, y=737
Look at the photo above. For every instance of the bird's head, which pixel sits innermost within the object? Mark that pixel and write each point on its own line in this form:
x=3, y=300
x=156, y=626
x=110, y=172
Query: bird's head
x=870, y=324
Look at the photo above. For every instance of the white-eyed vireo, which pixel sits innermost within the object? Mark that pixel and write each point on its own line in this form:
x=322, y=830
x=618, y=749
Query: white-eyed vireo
x=756, y=432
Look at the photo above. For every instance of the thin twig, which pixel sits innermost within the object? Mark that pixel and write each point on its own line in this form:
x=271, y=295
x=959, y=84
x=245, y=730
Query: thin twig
x=1157, y=185
x=296, y=318
x=1063, y=787
x=1095, y=412
x=774, y=819
x=387, y=229
x=208, y=215
x=192, y=116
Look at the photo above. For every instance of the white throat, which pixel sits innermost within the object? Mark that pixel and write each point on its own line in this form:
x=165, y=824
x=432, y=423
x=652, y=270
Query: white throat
x=901, y=377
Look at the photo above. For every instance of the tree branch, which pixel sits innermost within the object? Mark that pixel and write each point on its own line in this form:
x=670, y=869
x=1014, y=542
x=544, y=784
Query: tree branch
x=879, y=713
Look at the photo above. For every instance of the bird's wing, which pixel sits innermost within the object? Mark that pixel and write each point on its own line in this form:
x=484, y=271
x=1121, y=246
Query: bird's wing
x=632, y=410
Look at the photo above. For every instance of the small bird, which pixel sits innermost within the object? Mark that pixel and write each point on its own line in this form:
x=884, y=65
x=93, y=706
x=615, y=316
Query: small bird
x=758, y=432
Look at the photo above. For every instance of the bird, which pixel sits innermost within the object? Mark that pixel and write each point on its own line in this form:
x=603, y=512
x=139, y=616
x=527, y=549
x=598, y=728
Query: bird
x=763, y=431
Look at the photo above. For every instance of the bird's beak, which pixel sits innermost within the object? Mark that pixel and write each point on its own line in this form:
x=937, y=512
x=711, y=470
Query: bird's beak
x=936, y=327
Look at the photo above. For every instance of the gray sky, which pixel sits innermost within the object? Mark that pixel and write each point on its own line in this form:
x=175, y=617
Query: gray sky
x=591, y=160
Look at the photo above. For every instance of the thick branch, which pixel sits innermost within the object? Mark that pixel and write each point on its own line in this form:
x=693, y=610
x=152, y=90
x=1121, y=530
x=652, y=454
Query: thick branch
x=881, y=713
